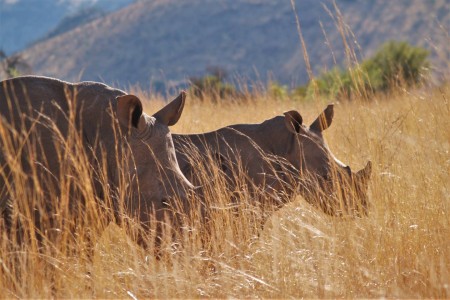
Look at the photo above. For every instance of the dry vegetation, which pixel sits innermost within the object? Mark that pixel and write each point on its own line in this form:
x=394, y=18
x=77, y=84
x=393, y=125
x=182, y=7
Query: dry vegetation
x=401, y=249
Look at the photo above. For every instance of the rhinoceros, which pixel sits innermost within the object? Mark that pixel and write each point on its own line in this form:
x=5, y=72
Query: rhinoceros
x=40, y=118
x=279, y=157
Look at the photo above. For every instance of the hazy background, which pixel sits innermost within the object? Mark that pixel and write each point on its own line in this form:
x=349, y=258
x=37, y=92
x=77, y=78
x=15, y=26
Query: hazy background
x=162, y=43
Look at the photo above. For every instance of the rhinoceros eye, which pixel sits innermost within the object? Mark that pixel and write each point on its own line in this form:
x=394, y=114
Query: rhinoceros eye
x=165, y=203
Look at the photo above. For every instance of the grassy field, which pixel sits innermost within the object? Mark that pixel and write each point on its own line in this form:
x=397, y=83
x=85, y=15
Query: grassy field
x=401, y=249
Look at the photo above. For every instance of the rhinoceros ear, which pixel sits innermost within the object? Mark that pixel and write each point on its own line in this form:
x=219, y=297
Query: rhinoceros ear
x=324, y=120
x=129, y=110
x=364, y=174
x=170, y=114
x=293, y=121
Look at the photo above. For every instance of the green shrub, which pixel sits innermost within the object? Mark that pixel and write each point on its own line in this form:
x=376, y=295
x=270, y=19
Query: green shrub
x=300, y=92
x=278, y=91
x=12, y=66
x=212, y=85
x=394, y=64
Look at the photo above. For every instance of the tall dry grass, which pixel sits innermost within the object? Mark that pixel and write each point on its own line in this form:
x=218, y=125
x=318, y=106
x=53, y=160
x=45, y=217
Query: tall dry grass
x=401, y=249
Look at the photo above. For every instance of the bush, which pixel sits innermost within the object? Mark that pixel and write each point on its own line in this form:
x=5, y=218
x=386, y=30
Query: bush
x=278, y=91
x=212, y=85
x=394, y=64
x=12, y=66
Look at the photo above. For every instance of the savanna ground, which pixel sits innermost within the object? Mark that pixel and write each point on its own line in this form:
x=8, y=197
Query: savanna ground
x=401, y=249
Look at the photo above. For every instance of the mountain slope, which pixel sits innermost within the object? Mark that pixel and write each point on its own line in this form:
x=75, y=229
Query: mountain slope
x=170, y=40
x=23, y=22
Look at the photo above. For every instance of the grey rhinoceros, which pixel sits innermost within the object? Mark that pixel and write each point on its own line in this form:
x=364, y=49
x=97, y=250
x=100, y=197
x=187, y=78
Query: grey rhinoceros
x=42, y=119
x=278, y=157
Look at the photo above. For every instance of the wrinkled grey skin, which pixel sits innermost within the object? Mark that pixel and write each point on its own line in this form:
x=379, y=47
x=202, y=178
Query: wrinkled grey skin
x=112, y=127
x=280, y=156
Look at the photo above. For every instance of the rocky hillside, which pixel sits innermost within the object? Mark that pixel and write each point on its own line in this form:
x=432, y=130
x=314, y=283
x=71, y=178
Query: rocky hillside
x=23, y=22
x=168, y=41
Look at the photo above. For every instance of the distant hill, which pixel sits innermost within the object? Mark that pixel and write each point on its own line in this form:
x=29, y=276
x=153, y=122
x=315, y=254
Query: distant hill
x=23, y=22
x=75, y=19
x=168, y=41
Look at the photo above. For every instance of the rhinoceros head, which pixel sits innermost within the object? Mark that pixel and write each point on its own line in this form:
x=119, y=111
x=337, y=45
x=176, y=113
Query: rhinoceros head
x=152, y=167
x=324, y=179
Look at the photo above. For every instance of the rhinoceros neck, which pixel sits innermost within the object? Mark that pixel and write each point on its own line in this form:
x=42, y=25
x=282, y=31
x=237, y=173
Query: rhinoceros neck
x=271, y=135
